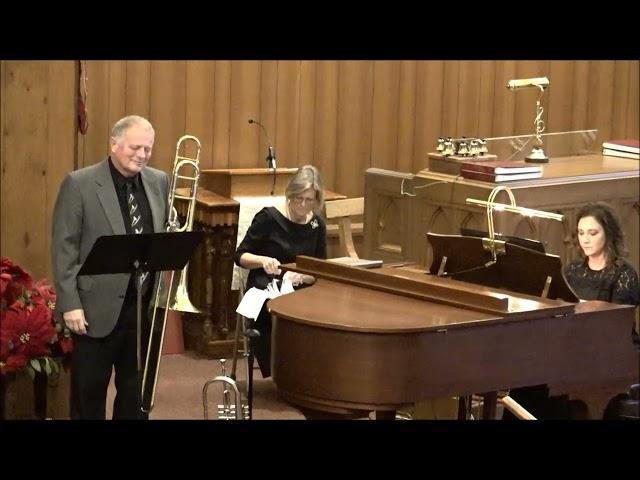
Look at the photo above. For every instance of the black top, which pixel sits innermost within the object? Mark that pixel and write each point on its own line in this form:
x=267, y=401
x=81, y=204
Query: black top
x=616, y=284
x=273, y=235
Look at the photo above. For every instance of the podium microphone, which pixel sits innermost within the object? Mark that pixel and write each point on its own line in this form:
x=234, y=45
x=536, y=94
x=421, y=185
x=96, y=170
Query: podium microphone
x=271, y=155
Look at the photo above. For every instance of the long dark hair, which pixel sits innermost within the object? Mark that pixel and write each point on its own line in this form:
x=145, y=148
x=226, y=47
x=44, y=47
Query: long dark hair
x=614, y=237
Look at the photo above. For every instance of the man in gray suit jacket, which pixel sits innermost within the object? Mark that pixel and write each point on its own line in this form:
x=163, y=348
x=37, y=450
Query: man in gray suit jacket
x=116, y=196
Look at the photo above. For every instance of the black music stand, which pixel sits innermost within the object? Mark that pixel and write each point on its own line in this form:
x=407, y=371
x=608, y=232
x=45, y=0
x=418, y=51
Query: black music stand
x=144, y=252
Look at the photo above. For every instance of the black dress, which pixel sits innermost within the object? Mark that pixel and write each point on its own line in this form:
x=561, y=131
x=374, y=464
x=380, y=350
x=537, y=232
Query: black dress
x=615, y=284
x=618, y=284
x=273, y=235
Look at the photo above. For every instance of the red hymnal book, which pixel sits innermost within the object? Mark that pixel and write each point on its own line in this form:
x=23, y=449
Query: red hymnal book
x=495, y=177
x=501, y=167
x=631, y=146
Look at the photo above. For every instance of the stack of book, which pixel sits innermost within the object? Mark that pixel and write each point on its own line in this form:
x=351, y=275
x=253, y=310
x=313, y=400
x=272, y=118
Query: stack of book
x=500, y=171
x=622, y=148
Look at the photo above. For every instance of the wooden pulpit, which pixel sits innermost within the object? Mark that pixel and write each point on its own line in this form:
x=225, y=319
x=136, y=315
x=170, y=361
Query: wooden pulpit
x=245, y=182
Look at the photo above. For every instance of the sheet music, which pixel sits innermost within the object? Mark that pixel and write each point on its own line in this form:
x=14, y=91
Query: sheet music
x=254, y=298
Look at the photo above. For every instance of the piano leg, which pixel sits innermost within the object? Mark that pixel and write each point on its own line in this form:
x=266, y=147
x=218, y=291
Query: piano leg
x=489, y=405
x=385, y=415
x=463, y=407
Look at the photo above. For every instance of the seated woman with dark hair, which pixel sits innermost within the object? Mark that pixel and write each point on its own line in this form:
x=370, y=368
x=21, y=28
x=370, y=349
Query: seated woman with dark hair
x=602, y=273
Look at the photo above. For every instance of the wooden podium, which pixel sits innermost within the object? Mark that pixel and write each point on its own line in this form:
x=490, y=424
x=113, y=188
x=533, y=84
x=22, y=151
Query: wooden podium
x=211, y=267
x=245, y=182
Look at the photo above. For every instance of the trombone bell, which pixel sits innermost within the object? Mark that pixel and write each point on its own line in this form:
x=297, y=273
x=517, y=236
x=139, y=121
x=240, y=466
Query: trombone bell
x=181, y=301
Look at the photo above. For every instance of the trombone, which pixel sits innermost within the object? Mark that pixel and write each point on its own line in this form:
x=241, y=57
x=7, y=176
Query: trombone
x=187, y=169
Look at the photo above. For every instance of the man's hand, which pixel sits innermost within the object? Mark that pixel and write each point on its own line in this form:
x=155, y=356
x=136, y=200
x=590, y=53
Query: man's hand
x=74, y=319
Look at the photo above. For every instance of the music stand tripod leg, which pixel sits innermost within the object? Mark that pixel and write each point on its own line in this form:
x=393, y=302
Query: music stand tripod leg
x=138, y=274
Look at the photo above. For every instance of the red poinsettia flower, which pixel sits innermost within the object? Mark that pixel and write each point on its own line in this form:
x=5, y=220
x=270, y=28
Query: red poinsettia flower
x=27, y=327
x=14, y=281
x=13, y=363
x=44, y=293
x=9, y=361
x=30, y=332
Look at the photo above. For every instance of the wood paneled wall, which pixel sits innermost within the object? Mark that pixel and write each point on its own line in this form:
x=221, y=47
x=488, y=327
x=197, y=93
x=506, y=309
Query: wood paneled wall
x=38, y=145
x=343, y=116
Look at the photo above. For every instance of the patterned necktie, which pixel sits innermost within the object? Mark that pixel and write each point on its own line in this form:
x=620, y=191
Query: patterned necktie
x=135, y=216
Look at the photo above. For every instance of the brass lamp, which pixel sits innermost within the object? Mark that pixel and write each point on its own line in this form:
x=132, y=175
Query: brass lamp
x=537, y=154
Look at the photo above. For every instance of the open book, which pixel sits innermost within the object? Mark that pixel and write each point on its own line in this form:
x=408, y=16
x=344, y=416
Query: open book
x=356, y=262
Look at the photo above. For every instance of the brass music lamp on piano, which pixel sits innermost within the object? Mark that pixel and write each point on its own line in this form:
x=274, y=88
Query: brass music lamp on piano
x=497, y=246
x=537, y=154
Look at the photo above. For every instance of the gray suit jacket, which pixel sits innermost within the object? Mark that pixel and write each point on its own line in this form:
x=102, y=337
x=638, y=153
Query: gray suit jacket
x=87, y=208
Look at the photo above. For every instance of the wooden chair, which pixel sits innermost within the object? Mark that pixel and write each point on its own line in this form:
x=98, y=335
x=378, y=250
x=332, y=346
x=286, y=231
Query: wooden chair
x=341, y=211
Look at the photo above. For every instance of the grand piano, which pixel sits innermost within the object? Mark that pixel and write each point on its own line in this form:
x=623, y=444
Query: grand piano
x=375, y=340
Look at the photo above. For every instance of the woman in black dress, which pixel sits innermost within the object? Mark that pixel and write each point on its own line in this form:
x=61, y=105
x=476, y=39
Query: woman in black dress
x=276, y=237
x=601, y=273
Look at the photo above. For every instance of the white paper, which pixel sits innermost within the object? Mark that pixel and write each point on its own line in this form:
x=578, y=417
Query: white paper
x=287, y=286
x=254, y=298
x=252, y=302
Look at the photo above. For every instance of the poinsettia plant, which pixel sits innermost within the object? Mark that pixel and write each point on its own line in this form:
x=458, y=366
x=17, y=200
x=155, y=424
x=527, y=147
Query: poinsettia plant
x=29, y=336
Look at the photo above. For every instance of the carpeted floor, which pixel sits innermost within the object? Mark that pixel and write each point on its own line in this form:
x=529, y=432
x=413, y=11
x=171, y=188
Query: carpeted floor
x=181, y=381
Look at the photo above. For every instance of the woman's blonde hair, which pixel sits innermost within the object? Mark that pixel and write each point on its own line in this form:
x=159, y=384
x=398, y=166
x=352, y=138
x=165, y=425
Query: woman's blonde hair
x=307, y=177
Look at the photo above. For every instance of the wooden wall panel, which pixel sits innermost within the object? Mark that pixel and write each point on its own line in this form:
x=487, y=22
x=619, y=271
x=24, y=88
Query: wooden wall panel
x=326, y=121
x=167, y=88
x=504, y=101
x=450, y=95
x=429, y=106
x=245, y=102
x=406, y=116
x=580, y=97
x=94, y=145
x=633, y=115
x=24, y=162
x=485, y=102
x=199, y=120
x=38, y=149
x=266, y=115
x=620, y=96
x=600, y=109
x=468, y=99
x=117, y=91
x=138, y=85
x=355, y=91
x=287, y=114
x=558, y=113
x=62, y=140
x=221, y=114
x=306, y=131
x=342, y=116
x=384, y=120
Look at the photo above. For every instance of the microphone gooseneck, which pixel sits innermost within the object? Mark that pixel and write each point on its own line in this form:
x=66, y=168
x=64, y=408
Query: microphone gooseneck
x=271, y=155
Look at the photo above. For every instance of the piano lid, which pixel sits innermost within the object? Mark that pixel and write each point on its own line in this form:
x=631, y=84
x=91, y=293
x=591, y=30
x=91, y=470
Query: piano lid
x=416, y=282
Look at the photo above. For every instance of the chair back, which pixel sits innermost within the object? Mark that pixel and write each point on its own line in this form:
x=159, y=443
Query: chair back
x=341, y=211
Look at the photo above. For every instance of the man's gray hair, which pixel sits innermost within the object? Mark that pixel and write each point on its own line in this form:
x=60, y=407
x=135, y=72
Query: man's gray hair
x=124, y=124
